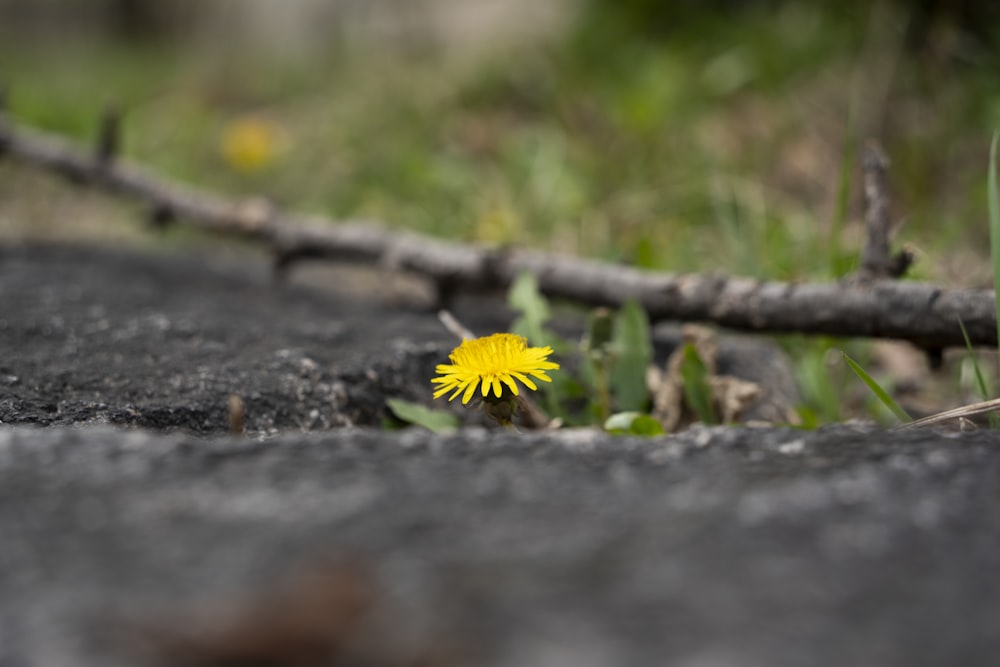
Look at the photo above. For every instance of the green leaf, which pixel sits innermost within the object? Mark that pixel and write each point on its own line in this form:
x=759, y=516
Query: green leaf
x=984, y=391
x=525, y=298
x=818, y=388
x=620, y=422
x=634, y=355
x=599, y=359
x=645, y=253
x=633, y=423
x=600, y=330
x=839, y=264
x=877, y=389
x=808, y=418
x=697, y=392
x=437, y=421
x=980, y=379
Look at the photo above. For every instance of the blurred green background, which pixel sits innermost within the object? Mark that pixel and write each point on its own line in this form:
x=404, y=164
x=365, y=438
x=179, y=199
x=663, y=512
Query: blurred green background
x=687, y=136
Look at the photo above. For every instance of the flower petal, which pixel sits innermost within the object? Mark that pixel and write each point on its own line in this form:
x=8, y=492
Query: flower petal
x=524, y=379
x=469, y=391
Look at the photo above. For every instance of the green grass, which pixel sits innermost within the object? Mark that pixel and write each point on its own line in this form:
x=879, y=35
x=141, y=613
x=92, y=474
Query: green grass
x=732, y=151
x=880, y=393
x=993, y=195
x=728, y=145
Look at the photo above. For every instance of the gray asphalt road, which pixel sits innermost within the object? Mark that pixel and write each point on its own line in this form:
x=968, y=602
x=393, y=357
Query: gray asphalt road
x=719, y=547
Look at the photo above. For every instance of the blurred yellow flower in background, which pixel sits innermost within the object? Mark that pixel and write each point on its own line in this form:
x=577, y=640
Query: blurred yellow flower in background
x=251, y=143
x=499, y=225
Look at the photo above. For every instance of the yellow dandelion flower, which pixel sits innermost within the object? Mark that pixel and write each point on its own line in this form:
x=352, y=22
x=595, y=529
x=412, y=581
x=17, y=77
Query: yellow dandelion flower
x=492, y=362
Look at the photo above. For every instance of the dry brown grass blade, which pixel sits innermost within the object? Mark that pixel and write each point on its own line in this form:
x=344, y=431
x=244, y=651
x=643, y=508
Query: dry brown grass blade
x=962, y=412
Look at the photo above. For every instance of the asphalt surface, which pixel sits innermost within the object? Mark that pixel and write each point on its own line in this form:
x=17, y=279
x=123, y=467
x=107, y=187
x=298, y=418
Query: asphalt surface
x=716, y=547
x=133, y=531
x=162, y=340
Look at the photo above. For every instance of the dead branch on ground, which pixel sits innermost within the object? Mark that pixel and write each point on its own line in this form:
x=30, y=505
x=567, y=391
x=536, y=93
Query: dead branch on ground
x=924, y=314
x=876, y=260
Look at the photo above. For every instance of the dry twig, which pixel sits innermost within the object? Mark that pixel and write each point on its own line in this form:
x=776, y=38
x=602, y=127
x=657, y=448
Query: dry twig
x=921, y=313
x=876, y=260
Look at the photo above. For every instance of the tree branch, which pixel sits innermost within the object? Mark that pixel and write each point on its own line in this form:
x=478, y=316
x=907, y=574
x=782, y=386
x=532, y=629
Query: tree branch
x=876, y=261
x=922, y=313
